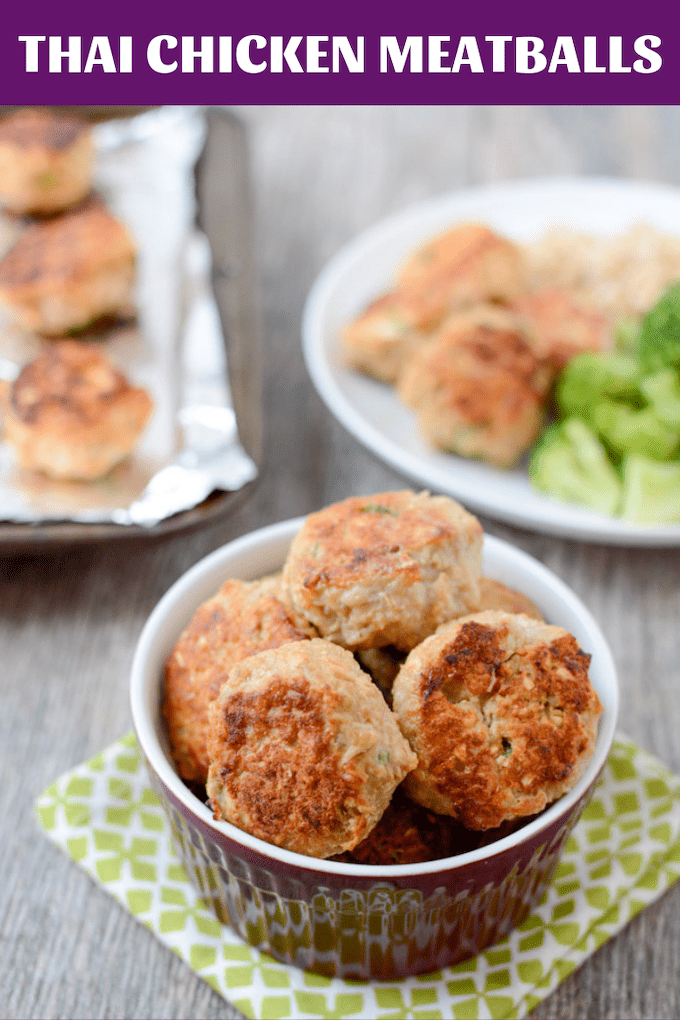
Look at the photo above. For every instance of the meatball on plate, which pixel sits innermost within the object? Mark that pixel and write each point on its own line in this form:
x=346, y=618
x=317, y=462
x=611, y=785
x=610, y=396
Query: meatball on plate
x=457, y=408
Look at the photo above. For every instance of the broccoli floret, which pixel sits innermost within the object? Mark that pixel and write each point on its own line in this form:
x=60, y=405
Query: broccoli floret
x=651, y=491
x=591, y=377
x=659, y=342
x=662, y=390
x=626, y=333
x=627, y=430
x=571, y=464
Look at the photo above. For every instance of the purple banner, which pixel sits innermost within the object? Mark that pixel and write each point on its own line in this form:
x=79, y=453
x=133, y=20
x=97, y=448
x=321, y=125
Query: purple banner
x=358, y=51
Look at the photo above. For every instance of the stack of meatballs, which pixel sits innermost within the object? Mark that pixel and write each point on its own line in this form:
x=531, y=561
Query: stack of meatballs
x=70, y=414
x=471, y=344
x=379, y=699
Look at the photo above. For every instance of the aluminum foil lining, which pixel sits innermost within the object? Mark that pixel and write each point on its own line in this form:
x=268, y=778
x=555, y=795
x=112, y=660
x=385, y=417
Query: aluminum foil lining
x=175, y=348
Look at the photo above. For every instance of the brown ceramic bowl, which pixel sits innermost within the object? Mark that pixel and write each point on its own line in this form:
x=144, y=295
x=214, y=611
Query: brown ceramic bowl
x=351, y=920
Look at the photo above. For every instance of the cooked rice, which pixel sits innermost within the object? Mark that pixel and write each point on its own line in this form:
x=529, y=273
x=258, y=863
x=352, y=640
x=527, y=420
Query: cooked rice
x=623, y=275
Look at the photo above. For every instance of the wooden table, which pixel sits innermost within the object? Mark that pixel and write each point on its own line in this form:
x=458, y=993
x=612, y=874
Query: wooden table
x=69, y=621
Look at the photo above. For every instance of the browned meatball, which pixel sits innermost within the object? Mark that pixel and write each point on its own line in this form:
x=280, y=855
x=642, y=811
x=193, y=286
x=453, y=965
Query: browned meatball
x=501, y=713
x=46, y=161
x=244, y=617
x=380, y=341
x=406, y=834
x=386, y=569
x=465, y=265
x=67, y=272
x=477, y=387
x=71, y=414
x=559, y=328
x=305, y=753
x=495, y=595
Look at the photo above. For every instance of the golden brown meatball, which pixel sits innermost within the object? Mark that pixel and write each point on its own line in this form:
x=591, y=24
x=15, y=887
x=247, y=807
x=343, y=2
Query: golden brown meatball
x=408, y=834
x=386, y=569
x=495, y=595
x=459, y=268
x=501, y=713
x=380, y=341
x=559, y=328
x=305, y=753
x=463, y=266
x=244, y=617
x=46, y=161
x=477, y=387
x=65, y=273
x=71, y=414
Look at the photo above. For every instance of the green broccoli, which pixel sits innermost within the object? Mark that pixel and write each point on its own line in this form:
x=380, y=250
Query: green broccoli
x=592, y=377
x=651, y=491
x=662, y=390
x=571, y=464
x=626, y=333
x=627, y=430
x=659, y=341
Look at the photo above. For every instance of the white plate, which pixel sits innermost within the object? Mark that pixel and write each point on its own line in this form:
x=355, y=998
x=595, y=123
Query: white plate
x=372, y=412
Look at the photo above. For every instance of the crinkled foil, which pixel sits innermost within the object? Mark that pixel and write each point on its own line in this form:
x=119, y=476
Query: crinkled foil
x=175, y=348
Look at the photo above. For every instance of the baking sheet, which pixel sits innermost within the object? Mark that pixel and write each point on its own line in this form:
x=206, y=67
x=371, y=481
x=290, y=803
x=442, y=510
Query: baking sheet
x=175, y=348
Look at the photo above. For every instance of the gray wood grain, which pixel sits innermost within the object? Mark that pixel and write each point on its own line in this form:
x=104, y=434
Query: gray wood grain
x=68, y=623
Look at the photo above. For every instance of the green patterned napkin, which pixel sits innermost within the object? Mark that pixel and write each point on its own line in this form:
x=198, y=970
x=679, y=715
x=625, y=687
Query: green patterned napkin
x=624, y=853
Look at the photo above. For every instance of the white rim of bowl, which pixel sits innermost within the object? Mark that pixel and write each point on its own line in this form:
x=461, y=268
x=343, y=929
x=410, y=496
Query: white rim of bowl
x=150, y=744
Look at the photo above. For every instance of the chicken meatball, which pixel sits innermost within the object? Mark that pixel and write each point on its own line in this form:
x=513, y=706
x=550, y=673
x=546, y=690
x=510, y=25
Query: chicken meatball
x=465, y=265
x=65, y=273
x=502, y=715
x=72, y=415
x=305, y=754
x=385, y=570
x=408, y=834
x=244, y=617
x=477, y=387
x=46, y=161
x=559, y=328
x=380, y=341
x=495, y=595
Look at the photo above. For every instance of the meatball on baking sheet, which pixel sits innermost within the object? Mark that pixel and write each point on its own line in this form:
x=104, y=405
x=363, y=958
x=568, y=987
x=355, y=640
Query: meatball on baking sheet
x=103, y=254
